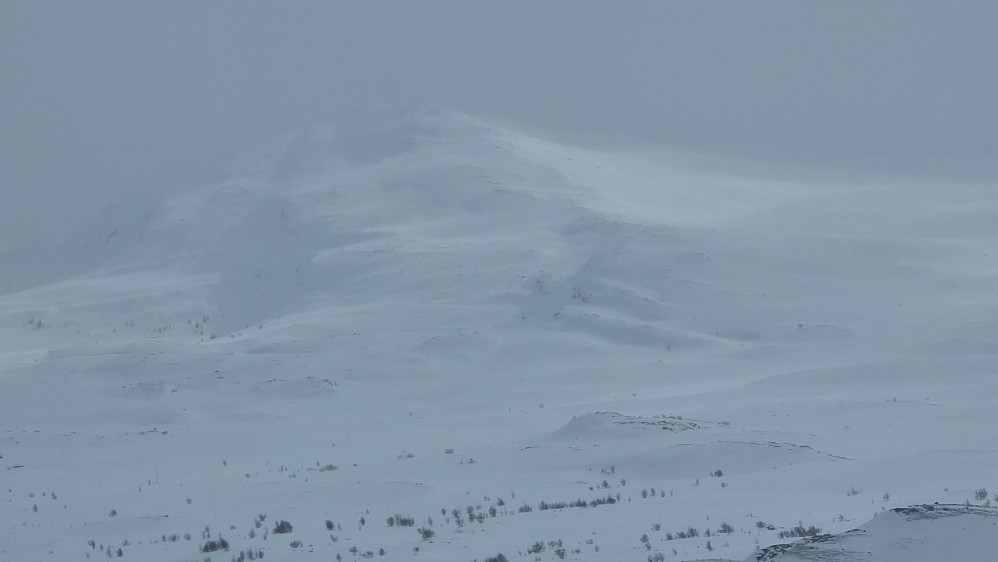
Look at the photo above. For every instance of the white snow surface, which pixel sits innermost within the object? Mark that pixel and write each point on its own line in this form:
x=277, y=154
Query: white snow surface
x=433, y=316
x=924, y=532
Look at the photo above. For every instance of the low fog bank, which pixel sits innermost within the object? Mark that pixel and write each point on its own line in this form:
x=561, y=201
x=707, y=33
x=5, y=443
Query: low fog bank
x=110, y=97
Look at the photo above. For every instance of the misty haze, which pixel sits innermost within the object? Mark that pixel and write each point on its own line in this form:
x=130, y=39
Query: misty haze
x=479, y=281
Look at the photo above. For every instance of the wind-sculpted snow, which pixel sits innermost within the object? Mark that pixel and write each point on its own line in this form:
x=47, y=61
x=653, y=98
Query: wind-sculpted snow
x=920, y=533
x=674, y=447
x=518, y=346
x=611, y=425
x=451, y=209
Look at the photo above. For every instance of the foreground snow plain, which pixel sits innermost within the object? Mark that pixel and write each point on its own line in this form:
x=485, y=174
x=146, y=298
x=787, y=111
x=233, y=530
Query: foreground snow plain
x=436, y=317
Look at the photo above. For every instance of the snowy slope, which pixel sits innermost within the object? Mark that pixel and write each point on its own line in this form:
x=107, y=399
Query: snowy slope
x=908, y=534
x=421, y=313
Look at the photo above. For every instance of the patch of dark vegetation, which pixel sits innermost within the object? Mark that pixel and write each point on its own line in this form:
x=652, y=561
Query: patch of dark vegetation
x=536, y=548
x=689, y=533
x=401, y=521
x=215, y=545
x=607, y=500
x=800, y=531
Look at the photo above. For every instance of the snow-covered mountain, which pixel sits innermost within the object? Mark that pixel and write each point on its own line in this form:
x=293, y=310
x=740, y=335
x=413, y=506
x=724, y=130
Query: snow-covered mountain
x=525, y=347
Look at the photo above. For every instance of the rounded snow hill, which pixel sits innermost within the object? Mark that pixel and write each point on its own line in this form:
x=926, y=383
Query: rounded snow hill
x=613, y=425
x=919, y=533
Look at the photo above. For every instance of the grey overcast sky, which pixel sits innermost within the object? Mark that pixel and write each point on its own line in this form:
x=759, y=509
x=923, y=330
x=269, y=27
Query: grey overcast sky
x=100, y=96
